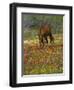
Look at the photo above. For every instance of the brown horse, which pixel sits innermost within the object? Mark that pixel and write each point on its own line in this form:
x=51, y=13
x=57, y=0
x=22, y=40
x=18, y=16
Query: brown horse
x=44, y=33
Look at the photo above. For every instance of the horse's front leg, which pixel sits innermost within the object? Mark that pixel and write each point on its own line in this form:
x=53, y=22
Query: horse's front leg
x=41, y=42
x=46, y=39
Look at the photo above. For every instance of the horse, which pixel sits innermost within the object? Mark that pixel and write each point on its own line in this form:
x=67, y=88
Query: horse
x=44, y=33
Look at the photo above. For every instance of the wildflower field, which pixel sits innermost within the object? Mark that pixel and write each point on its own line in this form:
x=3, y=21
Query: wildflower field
x=46, y=60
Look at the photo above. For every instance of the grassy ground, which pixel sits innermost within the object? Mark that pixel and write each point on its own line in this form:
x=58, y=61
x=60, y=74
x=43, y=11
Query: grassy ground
x=48, y=60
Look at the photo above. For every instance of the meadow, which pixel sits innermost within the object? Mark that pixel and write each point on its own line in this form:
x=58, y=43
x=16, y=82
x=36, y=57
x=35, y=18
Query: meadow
x=46, y=60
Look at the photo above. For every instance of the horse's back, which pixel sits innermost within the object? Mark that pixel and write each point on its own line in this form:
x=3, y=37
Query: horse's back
x=45, y=29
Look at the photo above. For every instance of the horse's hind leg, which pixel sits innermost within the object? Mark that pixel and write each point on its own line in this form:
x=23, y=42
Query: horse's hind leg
x=52, y=40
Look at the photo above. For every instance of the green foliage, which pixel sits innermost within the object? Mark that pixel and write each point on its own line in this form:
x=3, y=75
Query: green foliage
x=35, y=20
